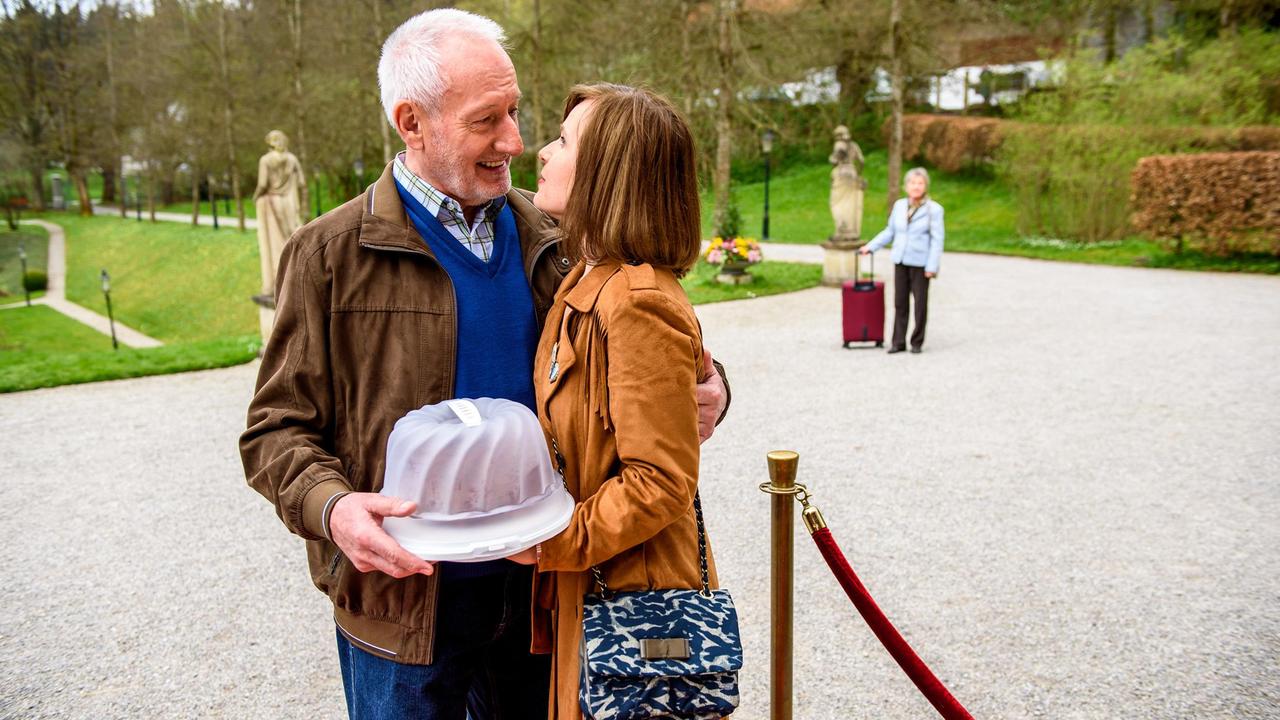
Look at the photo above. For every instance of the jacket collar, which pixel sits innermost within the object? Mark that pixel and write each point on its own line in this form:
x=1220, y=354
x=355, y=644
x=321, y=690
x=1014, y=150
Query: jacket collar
x=586, y=290
x=384, y=223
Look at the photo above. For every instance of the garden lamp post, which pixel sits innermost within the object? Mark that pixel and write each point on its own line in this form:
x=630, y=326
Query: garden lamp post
x=106, y=293
x=766, y=144
x=22, y=255
x=358, y=166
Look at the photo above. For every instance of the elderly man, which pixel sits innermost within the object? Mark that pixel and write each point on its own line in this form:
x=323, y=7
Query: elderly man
x=433, y=284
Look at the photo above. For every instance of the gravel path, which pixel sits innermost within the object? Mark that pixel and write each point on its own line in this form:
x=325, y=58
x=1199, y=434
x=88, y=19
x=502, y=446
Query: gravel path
x=1063, y=503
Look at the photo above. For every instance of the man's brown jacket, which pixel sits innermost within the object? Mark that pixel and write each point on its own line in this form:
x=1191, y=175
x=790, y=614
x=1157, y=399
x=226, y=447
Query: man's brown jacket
x=365, y=331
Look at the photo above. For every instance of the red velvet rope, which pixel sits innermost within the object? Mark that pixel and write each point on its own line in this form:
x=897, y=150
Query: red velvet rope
x=933, y=689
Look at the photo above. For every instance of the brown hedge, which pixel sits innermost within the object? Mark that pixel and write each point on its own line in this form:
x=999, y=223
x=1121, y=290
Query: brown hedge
x=1219, y=202
x=952, y=142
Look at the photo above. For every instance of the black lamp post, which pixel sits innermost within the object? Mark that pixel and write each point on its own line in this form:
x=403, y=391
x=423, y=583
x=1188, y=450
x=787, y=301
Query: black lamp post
x=766, y=144
x=22, y=255
x=137, y=195
x=106, y=292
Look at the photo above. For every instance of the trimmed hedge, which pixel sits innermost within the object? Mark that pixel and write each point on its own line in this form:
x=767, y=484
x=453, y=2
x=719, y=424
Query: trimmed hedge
x=35, y=281
x=1223, y=203
x=953, y=142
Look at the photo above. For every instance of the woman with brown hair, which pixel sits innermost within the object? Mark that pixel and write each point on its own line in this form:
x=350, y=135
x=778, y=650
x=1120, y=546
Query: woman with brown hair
x=615, y=370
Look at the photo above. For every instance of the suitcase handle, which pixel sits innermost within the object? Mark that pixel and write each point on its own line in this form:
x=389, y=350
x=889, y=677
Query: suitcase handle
x=859, y=281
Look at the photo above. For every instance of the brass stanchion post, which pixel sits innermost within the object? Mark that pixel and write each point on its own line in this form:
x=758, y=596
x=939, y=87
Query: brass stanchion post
x=782, y=476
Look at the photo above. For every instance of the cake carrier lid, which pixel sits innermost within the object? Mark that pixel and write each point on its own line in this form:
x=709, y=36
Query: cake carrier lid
x=481, y=475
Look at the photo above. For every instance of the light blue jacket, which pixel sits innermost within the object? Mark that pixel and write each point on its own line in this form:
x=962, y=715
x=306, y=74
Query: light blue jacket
x=918, y=244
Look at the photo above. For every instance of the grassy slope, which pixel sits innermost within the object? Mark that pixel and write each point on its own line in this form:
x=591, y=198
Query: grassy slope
x=171, y=281
x=36, y=242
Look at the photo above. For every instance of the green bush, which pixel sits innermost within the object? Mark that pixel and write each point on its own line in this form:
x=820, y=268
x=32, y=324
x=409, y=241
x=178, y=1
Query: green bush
x=35, y=281
x=1070, y=159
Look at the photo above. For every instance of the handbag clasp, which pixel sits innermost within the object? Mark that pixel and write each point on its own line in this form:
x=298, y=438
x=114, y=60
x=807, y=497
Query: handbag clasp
x=676, y=648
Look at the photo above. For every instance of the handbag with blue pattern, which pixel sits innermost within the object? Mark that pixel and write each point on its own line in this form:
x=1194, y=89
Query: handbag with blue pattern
x=660, y=653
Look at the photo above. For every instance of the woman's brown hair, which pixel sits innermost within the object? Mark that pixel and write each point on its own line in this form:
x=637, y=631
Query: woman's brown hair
x=635, y=185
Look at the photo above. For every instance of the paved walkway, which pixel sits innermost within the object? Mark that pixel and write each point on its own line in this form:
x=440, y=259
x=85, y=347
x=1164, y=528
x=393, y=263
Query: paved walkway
x=1068, y=503
x=226, y=221
x=55, y=295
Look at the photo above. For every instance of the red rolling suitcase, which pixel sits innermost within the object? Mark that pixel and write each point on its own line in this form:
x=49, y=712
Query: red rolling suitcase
x=863, y=312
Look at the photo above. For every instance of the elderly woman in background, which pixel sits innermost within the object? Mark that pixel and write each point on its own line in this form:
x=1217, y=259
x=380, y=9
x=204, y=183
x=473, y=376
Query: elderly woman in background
x=915, y=229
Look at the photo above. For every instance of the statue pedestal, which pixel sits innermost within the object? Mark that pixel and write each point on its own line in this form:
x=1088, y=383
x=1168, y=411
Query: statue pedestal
x=266, y=315
x=840, y=260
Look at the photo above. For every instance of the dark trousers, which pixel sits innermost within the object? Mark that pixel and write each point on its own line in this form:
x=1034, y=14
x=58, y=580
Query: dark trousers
x=482, y=669
x=909, y=281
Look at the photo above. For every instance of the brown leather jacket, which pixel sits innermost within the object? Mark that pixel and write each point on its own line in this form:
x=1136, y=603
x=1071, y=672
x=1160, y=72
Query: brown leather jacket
x=364, y=332
x=615, y=373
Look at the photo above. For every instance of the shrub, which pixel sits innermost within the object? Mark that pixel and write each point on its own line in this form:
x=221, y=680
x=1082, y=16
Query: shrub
x=35, y=281
x=1222, y=203
x=950, y=143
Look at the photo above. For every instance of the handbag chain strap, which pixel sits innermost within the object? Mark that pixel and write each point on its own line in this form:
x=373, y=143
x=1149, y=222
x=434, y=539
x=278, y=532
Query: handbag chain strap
x=606, y=593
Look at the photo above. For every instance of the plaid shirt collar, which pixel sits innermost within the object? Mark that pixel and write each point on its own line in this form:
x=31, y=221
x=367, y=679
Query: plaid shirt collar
x=476, y=236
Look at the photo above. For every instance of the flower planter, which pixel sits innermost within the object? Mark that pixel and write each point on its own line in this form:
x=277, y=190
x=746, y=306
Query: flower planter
x=735, y=272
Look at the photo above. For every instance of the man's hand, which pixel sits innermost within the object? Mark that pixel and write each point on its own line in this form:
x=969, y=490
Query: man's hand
x=711, y=397
x=355, y=524
x=931, y=275
x=864, y=250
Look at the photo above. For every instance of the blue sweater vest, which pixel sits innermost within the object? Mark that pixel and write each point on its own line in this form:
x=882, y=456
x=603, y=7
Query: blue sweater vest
x=497, y=328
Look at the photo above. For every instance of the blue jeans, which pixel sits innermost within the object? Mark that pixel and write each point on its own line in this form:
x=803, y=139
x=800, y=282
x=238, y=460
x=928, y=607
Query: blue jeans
x=482, y=666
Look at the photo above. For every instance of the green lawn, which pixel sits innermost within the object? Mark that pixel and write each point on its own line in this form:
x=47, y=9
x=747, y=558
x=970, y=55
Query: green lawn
x=172, y=281
x=771, y=278
x=978, y=209
x=981, y=217
x=36, y=242
x=40, y=347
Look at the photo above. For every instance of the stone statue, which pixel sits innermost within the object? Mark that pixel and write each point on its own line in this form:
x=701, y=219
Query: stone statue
x=847, y=187
x=277, y=198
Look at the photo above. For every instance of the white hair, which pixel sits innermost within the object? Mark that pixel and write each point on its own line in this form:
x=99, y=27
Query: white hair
x=409, y=68
x=917, y=171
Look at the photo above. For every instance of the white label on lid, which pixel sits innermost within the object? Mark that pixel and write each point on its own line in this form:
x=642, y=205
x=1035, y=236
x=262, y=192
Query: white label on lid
x=466, y=411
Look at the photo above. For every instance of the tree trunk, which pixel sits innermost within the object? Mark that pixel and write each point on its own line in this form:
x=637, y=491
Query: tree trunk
x=686, y=44
x=37, y=186
x=1149, y=20
x=895, y=76
x=195, y=197
x=1109, y=28
x=113, y=111
x=228, y=113
x=1227, y=17
x=108, y=186
x=854, y=76
x=535, y=82
x=82, y=192
x=299, y=98
x=724, y=109
x=151, y=193
x=384, y=126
